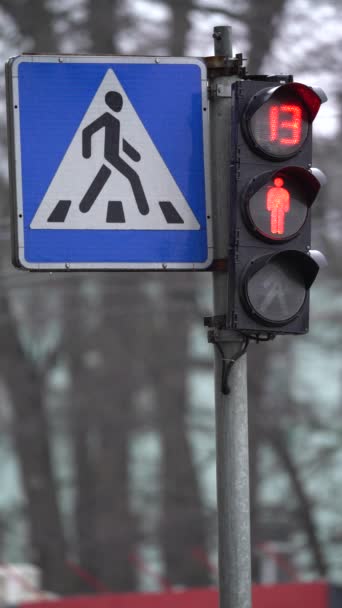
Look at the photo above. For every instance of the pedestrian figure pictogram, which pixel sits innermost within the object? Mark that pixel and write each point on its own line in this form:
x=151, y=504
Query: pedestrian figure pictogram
x=278, y=204
x=274, y=296
x=111, y=126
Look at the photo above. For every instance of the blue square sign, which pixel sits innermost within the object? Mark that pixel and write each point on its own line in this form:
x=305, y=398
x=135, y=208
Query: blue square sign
x=109, y=162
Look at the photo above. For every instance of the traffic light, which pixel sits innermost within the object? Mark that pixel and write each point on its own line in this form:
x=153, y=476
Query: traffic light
x=273, y=188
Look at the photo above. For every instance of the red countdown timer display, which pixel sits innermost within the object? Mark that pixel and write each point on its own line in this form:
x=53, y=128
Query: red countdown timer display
x=279, y=127
x=278, y=210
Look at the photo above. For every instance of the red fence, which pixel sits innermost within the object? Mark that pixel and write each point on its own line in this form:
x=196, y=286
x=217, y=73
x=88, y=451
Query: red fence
x=274, y=596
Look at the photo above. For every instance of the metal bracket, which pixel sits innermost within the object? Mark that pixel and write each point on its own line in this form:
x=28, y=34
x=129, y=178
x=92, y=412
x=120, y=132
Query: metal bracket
x=215, y=336
x=219, y=321
x=223, y=90
x=218, y=332
x=226, y=66
x=220, y=90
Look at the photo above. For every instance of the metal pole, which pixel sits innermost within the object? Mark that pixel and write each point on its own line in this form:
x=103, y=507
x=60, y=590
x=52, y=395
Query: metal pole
x=231, y=410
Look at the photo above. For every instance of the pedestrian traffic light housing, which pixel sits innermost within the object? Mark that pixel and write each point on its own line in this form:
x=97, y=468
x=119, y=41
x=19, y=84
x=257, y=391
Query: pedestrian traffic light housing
x=273, y=187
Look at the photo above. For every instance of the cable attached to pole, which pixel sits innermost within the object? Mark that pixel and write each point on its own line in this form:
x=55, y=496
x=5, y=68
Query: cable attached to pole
x=227, y=364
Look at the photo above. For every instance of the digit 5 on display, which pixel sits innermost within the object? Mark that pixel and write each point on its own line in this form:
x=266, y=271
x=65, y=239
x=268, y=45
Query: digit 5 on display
x=273, y=186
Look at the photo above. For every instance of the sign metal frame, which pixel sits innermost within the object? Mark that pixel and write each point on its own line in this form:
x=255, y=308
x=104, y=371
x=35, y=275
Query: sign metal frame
x=15, y=165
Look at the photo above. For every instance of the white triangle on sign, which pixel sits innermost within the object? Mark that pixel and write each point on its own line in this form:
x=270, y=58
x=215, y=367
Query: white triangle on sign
x=111, y=185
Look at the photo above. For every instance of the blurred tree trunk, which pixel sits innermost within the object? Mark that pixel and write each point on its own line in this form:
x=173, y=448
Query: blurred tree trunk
x=183, y=524
x=180, y=25
x=30, y=426
x=35, y=22
x=25, y=382
x=102, y=403
x=113, y=404
x=102, y=355
x=103, y=26
x=305, y=509
x=262, y=19
x=82, y=415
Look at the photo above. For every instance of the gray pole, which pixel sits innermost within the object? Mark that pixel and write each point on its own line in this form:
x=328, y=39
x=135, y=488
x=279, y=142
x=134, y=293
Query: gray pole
x=231, y=410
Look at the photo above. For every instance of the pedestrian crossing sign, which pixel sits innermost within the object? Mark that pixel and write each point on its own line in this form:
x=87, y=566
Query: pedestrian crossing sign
x=109, y=162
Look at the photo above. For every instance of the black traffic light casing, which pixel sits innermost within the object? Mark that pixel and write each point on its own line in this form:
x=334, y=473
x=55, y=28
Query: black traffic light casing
x=269, y=273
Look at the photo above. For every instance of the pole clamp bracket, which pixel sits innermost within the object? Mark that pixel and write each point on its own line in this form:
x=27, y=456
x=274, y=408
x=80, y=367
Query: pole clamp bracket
x=220, y=90
x=218, y=332
x=221, y=65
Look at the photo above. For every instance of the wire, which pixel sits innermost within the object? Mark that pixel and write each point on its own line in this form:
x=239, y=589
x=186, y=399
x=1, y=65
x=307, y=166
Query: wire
x=227, y=364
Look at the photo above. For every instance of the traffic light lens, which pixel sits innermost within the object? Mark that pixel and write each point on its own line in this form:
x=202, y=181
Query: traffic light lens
x=278, y=210
x=276, y=292
x=279, y=127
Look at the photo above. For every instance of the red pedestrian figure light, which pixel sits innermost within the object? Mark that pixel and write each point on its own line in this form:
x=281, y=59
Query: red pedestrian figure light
x=278, y=204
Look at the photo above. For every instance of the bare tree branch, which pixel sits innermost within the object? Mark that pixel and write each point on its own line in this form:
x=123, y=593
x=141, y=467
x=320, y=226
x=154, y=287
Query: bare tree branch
x=305, y=507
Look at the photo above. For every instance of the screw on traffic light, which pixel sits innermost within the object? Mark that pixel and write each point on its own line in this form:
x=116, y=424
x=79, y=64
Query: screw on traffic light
x=273, y=187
